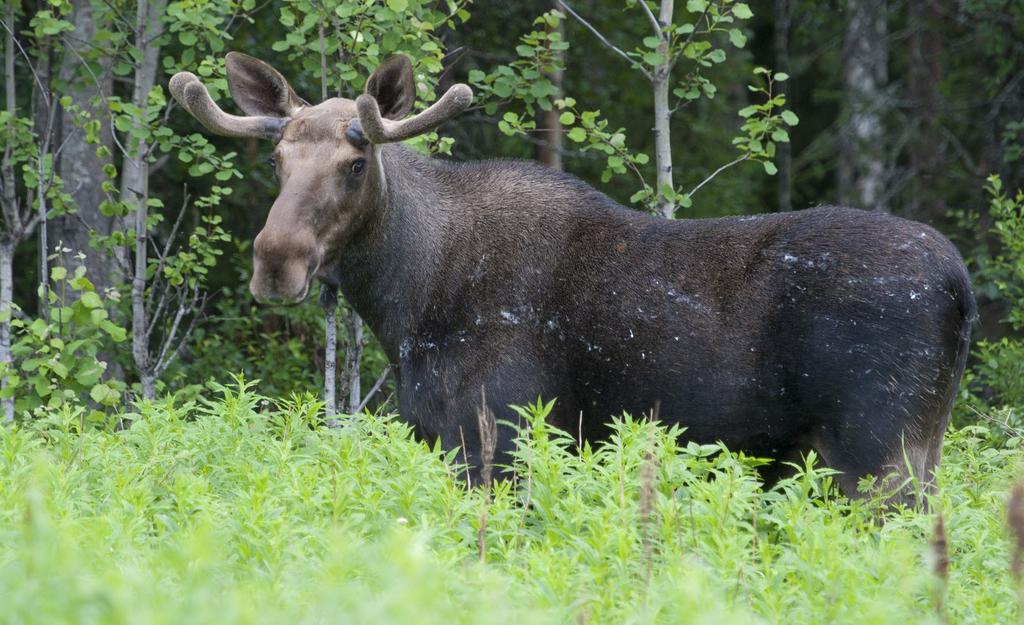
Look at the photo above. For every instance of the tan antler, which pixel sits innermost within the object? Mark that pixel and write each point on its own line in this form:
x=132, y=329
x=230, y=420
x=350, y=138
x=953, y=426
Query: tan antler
x=192, y=94
x=380, y=130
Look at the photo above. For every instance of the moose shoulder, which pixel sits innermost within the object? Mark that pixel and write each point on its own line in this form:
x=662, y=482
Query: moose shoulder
x=830, y=329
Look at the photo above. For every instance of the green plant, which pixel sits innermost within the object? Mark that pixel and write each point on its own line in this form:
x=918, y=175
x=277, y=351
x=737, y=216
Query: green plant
x=58, y=357
x=232, y=508
x=998, y=377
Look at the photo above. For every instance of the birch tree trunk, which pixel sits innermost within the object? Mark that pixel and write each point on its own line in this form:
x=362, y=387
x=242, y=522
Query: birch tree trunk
x=862, y=171
x=6, y=297
x=355, y=360
x=135, y=186
x=549, y=150
x=784, y=153
x=661, y=77
x=10, y=213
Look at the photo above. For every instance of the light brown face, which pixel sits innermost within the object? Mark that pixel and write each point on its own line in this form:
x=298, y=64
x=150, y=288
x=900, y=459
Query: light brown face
x=329, y=172
x=328, y=184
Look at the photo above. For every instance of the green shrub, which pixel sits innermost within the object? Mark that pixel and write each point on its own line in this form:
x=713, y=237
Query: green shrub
x=232, y=508
x=57, y=358
x=998, y=378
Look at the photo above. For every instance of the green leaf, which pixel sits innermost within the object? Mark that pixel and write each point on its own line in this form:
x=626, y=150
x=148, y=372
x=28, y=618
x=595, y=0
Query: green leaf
x=103, y=394
x=654, y=58
x=89, y=299
x=769, y=168
x=737, y=38
x=398, y=5
x=781, y=77
x=578, y=135
x=790, y=118
x=567, y=118
x=742, y=11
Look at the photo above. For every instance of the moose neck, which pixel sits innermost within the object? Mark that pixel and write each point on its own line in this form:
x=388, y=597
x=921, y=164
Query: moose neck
x=388, y=267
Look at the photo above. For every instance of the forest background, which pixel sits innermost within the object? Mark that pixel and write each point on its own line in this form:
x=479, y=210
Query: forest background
x=686, y=109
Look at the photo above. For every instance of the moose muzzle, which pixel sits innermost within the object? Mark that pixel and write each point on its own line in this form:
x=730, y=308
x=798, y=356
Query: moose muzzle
x=283, y=265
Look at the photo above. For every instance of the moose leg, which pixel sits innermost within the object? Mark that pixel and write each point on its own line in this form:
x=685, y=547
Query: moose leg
x=900, y=458
x=470, y=414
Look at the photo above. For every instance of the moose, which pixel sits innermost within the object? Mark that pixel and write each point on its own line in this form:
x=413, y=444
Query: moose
x=491, y=283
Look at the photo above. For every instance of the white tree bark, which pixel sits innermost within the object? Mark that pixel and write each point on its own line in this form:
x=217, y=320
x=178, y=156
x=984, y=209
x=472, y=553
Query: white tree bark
x=862, y=170
x=549, y=131
x=10, y=213
x=662, y=78
x=135, y=187
x=784, y=155
x=329, y=301
x=6, y=297
x=355, y=348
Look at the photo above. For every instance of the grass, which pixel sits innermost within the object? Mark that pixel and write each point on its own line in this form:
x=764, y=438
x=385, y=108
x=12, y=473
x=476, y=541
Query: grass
x=232, y=509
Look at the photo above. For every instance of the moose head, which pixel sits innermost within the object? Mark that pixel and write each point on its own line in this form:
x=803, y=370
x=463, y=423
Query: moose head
x=326, y=156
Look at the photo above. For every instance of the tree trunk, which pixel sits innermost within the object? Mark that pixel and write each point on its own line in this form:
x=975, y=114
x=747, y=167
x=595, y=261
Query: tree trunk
x=79, y=166
x=135, y=186
x=6, y=297
x=783, y=155
x=549, y=149
x=329, y=302
x=862, y=172
x=663, y=118
x=927, y=160
x=355, y=348
x=10, y=104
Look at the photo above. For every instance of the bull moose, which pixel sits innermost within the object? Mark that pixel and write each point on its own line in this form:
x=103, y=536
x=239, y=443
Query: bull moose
x=832, y=329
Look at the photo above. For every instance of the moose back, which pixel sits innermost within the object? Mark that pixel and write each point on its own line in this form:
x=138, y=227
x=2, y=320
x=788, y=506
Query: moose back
x=830, y=329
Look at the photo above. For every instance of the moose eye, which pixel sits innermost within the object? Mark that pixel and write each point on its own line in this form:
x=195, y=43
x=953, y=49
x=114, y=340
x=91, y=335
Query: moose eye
x=358, y=166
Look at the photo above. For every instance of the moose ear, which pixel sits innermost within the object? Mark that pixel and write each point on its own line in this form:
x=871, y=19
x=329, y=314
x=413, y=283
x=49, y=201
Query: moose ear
x=392, y=86
x=258, y=88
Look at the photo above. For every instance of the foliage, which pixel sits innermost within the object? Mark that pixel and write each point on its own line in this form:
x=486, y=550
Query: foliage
x=57, y=357
x=30, y=153
x=998, y=378
x=526, y=81
x=279, y=347
x=236, y=509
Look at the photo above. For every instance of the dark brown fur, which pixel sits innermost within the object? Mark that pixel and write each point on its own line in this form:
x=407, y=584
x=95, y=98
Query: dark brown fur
x=830, y=329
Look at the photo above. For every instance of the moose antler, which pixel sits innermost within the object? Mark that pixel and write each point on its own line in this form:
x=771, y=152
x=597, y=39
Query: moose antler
x=192, y=94
x=380, y=130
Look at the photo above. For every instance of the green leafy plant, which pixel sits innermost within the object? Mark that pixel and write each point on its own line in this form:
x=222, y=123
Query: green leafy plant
x=233, y=508
x=998, y=378
x=58, y=357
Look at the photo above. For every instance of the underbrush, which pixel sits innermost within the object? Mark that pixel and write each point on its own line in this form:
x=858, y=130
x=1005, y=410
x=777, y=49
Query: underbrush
x=234, y=509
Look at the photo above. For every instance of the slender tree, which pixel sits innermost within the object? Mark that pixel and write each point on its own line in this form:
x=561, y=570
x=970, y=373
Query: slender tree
x=784, y=157
x=29, y=148
x=549, y=127
x=862, y=157
x=927, y=153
